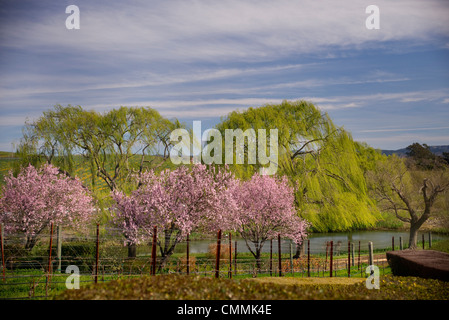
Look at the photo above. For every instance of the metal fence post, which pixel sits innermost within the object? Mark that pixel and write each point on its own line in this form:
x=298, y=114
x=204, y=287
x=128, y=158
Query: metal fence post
x=97, y=253
x=235, y=258
x=358, y=262
x=308, y=257
x=279, y=254
x=153, y=252
x=291, y=258
x=187, y=255
x=327, y=249
x=331, y=258
x=230, y=256
x=49, y=260
x=352, y=253
x=349, y=259
x=217, y=258
x=430, y=239
x=3, y=251
x=271, y=257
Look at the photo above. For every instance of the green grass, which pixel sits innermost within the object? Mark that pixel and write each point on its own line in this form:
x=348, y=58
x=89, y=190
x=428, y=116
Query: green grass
x=175, y=287
x=21, y=282
x=389, y=221
x=442, y=245
x=32, y=284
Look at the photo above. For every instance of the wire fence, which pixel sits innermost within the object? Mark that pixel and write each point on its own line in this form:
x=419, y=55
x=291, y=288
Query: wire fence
x=99, y=254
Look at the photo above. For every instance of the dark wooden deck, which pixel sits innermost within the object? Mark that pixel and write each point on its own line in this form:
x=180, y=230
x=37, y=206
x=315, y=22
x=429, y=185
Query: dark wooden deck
x=419, y=263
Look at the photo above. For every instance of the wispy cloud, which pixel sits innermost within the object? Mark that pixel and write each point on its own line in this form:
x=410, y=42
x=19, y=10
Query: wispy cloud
x=405, y=129
x=196, y=59
x=228, y=29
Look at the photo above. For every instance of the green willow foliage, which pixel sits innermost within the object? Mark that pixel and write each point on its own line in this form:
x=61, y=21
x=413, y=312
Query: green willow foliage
x=321, y=160
x=113, y=144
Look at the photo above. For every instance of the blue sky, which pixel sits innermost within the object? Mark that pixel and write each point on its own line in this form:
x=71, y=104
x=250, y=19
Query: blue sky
x=199, y=60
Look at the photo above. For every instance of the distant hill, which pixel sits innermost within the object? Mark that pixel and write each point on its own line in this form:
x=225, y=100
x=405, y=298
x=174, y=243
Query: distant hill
x=438, y=150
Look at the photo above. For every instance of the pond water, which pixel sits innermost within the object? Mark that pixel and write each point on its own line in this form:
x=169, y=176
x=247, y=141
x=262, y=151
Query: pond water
x=380, y=239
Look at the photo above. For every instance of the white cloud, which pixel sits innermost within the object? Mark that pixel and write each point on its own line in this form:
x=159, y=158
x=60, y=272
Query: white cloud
x=393, y=142
x=228, y=29
x=14, y=120
x=404, y=129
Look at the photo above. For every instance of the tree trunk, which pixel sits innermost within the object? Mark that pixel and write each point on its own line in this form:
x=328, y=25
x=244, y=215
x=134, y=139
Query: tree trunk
x=258, y=260
x=132, y=250
x=412, y=243
x=31, y=242
x=298, y=251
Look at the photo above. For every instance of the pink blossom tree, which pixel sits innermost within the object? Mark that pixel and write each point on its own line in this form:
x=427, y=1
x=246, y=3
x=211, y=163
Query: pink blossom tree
x=38, y=197
x=265, y=208
x=178, y=202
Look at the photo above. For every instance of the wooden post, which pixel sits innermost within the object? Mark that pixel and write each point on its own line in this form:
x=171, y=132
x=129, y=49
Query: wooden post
x=352, y=253
x=271, y=257
x=49, y=260
x=230, y=256
x=217, y=257
x=153, y=252
x=423, y=241
x=187, y=255
x=358, y=262
x=308, y=258
x=331, y=258
x=336, y=266
x=49, y=249
x=97, y=253
x=349, y=259
x=279, y=255
x=327, y=249
x=291, y=258
x=3, y=251
x=430, y=239
x=370, y=248
x=392, y=243
x=59, y=246
x=235, y=258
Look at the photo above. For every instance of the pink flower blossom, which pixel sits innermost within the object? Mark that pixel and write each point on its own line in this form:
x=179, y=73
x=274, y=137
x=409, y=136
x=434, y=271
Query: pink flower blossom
x=36, y=198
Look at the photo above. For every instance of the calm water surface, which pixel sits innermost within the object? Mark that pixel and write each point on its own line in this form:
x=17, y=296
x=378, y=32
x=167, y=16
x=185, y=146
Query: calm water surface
x=380, y=239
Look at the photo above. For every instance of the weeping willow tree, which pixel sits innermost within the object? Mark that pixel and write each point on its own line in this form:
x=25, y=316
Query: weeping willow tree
x=112, y=144
x=321, y=160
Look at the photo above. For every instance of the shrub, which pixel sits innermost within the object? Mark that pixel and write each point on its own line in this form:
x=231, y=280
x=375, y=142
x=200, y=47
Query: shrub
x=224, y=251
x=181, y=265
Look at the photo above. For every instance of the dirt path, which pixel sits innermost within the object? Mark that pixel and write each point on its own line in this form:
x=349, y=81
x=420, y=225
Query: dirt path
x=382, y=257
x=309, y=281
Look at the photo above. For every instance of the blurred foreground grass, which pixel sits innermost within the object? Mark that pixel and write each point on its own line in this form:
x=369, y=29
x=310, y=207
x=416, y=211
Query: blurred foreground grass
x=182, y=287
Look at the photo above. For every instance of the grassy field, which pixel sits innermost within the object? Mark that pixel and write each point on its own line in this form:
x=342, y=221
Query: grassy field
x=266, y=288
x=24, y=284
x=181, y=287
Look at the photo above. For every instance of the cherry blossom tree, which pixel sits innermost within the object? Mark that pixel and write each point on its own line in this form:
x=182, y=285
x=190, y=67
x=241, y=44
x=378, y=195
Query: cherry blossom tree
x=38, y=197
x=265, y=208
x=178, y=202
